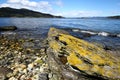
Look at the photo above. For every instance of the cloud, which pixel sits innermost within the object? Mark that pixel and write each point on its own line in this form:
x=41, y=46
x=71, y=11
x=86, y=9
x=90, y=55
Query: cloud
x=59, y=3
x=115, y=12
x=22, y=2
x=78, y=13
x=42, y=6
x=13, y=1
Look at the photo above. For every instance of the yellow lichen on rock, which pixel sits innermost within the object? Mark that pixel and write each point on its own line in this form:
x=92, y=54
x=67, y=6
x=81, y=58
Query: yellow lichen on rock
x=55, y=45
x=91, y=59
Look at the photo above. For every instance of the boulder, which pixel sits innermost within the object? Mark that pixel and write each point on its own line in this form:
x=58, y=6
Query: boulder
x=8, y=28
x=4, y=71
x=70, y=58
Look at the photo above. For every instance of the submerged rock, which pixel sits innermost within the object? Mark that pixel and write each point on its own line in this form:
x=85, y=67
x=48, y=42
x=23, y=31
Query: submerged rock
x=68, y=55
x=8, y=28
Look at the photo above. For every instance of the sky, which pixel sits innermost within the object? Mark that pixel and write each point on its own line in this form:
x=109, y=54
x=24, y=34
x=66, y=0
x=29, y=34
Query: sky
x=68, y=8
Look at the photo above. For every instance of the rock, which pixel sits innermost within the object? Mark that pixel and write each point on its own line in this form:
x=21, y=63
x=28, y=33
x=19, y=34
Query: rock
x=44, y=68
x=80, y=57
x=43, y=76
x=28, y=44
x=22, y=66
x=13, y=78
x=2, y=77
x=35, y=77
x=22, y=77
x=30, y=66
x=87, y=35
x=25, y=71
x=8, y=28
x=4, y=71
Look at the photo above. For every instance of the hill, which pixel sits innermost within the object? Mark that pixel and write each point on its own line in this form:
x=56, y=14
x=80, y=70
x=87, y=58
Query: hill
x=114, y=17
x=11, y=12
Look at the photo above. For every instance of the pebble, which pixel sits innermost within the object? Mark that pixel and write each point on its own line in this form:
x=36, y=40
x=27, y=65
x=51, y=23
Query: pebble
x=30, y=66
x=2, y=77
x=43, y=76
x=25, y=65
x=13, y=78
x=25, y=71
x=35, y=77
x=15, y=52
x=22, y=77
x=22, y=66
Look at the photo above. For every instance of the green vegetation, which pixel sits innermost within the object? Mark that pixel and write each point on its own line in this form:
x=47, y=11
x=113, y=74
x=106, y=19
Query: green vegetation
x=11, y=12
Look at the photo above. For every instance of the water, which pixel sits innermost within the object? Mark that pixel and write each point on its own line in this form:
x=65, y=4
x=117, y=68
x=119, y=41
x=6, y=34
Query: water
x=107, y=25
x=102, y=27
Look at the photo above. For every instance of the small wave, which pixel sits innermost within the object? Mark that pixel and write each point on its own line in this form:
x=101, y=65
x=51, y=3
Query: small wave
x=75, y=30
x=118, y=35
x=9, y=33
x=103, y=33
x=96, y=33
x=89, y=32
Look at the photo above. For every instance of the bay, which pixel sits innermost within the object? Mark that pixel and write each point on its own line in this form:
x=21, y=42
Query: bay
x=40, y=26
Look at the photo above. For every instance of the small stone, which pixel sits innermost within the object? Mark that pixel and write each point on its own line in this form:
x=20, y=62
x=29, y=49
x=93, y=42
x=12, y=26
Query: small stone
x=20, y=53
x=41, y=69
x=43, y=76
x=23, y=56
x=15, y=71
x=50, y=75
x=1, y=48
x=54, y=77
x=39, y=61
x=22, y=77
x=13, y=78
x=37, y=54
x=30, y=66
x=15, y=52
x=23, y=66
x=2, y=77
x=35, y=77
x=42, y=50
x=25, y=71
x=9, y=75
x=44, y=68
x=20, y=69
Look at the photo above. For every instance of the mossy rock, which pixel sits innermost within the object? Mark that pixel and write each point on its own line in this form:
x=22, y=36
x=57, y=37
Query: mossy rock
x=84, y=56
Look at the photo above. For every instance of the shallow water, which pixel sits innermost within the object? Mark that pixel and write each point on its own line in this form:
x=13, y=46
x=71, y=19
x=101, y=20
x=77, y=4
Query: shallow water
x=98, y=28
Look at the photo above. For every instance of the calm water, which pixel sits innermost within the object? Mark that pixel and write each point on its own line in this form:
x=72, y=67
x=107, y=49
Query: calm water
x=41, y=26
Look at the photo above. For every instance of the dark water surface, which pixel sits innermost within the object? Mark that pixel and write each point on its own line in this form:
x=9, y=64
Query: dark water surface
x=101, y=30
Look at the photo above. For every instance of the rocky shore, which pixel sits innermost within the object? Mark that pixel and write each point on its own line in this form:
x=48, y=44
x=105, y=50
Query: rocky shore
x=20, y=59
x=59, y=57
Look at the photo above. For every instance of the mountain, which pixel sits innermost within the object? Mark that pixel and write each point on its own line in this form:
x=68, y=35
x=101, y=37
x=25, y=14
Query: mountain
x=114, y=17
x=11, y=12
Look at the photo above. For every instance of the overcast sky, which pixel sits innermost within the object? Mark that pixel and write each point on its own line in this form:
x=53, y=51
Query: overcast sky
x=68, y=8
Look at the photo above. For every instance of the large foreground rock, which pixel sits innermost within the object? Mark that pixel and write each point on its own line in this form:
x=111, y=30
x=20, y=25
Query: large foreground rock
x=69, y=57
